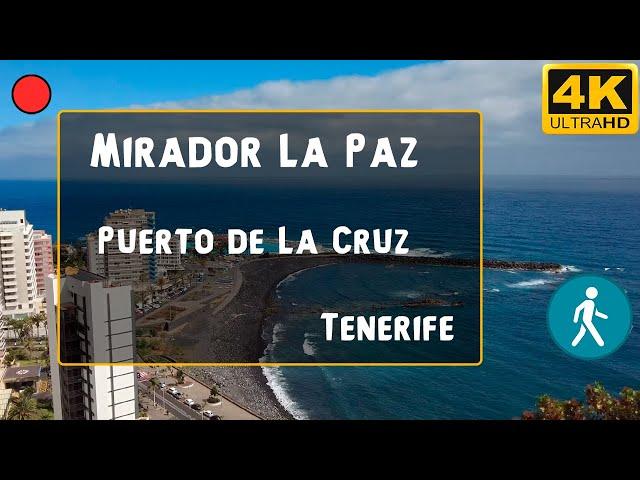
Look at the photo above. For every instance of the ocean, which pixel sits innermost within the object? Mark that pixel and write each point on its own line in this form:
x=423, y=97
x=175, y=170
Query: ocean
x=585, y=228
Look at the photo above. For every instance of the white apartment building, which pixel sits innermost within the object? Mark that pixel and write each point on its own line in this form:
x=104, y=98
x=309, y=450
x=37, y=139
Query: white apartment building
x=123, y=268
x=171, y=261
x=95, y=261
x=18, y=286
x=3, y=332
x=96, y=326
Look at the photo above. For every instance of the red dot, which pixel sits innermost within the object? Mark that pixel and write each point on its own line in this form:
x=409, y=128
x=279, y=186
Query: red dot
x=31, y=94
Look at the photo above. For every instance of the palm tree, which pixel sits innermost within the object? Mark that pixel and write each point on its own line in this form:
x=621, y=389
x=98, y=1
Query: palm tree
x=28, y=345
x=22, y=327
x=151, y=292
x=27, y=328
x=24, y=407
x=45, y=358
x=161, y=283
x=15, y=324
x=138, y=297
x=37, y=319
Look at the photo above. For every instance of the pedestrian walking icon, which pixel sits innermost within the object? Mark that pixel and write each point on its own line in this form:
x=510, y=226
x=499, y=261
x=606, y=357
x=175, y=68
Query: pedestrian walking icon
x=588, y=310
x=589, y=317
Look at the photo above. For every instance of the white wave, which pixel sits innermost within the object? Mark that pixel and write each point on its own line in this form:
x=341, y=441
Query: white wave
x=620, y=269
x=537, y=282
x=276, y=380
x=426, y=252
x=494, y=290
x=569, y=268
x=407, y=294
x=291, y=277
x=288, y=279
x=277, y=383
x=275, y=337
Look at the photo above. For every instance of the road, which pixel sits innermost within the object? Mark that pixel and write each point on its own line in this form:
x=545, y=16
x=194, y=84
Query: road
x=176, y=407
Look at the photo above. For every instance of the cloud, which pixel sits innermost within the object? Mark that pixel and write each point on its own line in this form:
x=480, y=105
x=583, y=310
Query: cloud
x=507, y=92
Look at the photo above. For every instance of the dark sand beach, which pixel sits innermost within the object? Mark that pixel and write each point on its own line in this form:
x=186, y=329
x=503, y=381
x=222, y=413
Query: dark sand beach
x=232, y=330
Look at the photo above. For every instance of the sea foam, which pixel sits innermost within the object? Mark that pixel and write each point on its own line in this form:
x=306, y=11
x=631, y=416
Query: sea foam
x=277, y=383
x=536, y=282
x=427, y=252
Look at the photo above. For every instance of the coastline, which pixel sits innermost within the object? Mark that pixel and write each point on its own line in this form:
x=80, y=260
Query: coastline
x=233, y=330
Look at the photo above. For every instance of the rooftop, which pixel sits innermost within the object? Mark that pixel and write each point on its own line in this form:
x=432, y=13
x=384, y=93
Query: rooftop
x=85, y=276
x=16, y=374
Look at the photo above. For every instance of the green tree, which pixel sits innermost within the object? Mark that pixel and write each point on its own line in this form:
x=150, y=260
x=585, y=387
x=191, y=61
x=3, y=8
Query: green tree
x=71, y=256
x=39, y=319
x=599, y=405
x=161, y=283
x=151, y=291
x=138, y=297
x=8, y=359
x=22, y=327
x=45, y=357
x=15, y=325
x=24, y=407
x=180, y=376
x=213, y=395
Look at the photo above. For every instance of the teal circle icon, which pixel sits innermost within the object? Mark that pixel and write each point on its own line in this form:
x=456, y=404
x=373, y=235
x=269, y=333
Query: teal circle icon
x=589, y=317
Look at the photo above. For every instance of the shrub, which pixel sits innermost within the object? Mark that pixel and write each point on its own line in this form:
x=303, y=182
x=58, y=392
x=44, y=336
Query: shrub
x=600, y=405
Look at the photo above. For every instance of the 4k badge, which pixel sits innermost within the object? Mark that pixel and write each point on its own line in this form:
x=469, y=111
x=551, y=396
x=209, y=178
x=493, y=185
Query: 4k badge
x=590, y=99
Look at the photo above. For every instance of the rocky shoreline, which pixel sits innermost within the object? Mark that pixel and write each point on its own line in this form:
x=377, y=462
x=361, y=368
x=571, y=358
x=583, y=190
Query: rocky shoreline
x=233, y=332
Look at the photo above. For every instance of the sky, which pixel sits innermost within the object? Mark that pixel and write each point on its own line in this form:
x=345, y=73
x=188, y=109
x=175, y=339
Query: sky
x=507, y=92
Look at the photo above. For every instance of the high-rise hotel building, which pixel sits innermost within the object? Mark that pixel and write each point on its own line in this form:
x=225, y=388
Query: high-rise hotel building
x=96, y=326
x=18, y=288
x=123, y=268
x=44, y=258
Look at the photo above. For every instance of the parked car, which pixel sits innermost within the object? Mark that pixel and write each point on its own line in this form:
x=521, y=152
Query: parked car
x=215, y=417
x=173, y=390
x=208, y=413
x=162, y=385
x=189, y=402
x=197, y=407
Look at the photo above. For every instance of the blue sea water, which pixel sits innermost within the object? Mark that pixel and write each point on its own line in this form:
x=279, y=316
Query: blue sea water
x=588, y=230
